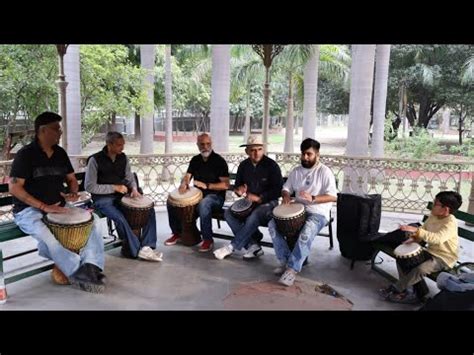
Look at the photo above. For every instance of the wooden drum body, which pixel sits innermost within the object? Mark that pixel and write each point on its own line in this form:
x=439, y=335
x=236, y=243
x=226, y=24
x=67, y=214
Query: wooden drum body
x=184, y=206
x=136, y=211
x=289, y=219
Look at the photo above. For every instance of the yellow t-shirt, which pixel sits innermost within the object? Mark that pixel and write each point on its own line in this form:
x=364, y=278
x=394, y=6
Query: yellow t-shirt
x=441, y=234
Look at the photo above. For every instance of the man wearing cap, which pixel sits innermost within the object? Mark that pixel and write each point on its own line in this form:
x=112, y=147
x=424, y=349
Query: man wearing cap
x=259, y=180
x=38, y=173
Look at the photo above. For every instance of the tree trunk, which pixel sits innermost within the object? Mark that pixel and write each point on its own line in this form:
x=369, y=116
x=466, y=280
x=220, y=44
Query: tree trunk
x=362, y=74
x=247, y=119
x=380, y=99
x=73, y=99
x=289, y=119
x=137, y=126
x=310, y=94
x=220, y=88
x=168, y=102
x=147, y=58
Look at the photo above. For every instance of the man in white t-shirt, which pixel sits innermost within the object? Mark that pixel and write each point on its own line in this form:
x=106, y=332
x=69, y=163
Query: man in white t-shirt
x=314, y=186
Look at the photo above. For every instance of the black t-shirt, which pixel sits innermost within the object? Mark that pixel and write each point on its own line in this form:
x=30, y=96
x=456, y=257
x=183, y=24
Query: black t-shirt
x=209, y=171
x=44, y=177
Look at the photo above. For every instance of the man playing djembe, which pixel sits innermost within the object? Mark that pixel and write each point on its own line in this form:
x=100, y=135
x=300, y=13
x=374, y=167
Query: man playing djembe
x=37, y=178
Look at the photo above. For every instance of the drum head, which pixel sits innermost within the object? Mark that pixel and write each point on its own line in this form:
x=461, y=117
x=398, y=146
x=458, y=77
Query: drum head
x=409, y=249
x=288, y=211
x=137, y=202
x=74, y=215
x=84, y=197
x=191, y=197
x=241, y=205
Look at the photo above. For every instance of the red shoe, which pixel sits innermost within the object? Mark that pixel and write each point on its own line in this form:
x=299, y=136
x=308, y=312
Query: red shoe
x=172, y=240
x=206, y=245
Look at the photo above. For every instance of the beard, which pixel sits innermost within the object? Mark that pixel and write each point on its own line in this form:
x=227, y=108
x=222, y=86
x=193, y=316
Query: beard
x=206, y=153
x=308, y=163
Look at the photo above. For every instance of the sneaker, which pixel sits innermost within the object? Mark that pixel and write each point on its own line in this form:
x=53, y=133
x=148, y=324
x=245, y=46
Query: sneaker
x=147, y=253
x=279, y=270
x=221, y=253
x=175, y=238
x=58, y=277
x=288, y=278
x=254, y=251
x=206, y=245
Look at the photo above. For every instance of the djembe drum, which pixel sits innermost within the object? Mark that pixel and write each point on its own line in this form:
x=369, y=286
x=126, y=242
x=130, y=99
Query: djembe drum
x=242, y=208
x=71, y=229
x=184, y=206
x=289, y=219
x=136, y=211
x=409, y=256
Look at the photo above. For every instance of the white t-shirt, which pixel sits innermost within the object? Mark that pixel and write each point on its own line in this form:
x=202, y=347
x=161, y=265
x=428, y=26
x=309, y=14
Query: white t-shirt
x=318, y=180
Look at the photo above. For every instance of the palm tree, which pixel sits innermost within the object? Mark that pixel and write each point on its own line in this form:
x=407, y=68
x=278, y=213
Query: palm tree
x=168, y=102
x=147, y=53
x=73, y=98
x=310, y=92
x=247, y=73
x=362, y=73
x=382, y=61
x=220, y=86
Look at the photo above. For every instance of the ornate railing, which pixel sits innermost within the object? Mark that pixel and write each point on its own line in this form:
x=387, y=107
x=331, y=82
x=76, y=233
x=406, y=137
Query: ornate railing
x=405, y=185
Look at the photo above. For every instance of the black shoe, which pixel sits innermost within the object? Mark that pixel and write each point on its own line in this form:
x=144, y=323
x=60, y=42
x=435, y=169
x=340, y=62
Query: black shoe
x=97, y=272
x=85, y=279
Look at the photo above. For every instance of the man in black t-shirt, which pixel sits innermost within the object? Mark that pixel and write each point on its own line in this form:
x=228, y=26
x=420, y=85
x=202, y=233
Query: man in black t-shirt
x=210, y=174
x=37, y=178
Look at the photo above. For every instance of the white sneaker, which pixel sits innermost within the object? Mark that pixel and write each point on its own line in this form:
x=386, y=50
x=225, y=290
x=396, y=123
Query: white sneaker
x=221, y=253
x=254, y=251
x=147, y=253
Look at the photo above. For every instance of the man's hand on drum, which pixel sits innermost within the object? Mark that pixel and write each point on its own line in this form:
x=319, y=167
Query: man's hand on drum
x=121, y=189
x=182, y=188
x=254, y=198
x=70, y=197
x=54, y=208
x=135, y=193
x=241, y=190
x=200, y=184
x=306, y=196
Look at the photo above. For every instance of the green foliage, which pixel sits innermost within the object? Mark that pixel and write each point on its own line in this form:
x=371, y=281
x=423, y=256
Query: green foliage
x=418, y=146
x=466, y=149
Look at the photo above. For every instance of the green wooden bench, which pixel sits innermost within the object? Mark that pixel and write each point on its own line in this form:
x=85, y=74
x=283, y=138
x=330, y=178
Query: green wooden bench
x=10, y=231
x=462, y=233
x=219, y=216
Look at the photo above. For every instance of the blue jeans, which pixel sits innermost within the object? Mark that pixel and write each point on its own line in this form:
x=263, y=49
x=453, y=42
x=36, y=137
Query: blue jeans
x=243, y=230
x=108, y=206
x=30, y=222
x=294, y=259
x=210, y=203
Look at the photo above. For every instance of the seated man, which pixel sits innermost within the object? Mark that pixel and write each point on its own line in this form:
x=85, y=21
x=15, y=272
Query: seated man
x=440, y=232
x=211, y=174
x=315, y=187
x=259, y=180
x=108, y=178
x=38, y=173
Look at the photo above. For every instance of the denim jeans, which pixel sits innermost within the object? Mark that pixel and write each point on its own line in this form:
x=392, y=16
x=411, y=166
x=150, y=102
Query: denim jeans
x=244, y=230
x=108, y=206
x=30, y=222
x=294, y=259
x=210, y=203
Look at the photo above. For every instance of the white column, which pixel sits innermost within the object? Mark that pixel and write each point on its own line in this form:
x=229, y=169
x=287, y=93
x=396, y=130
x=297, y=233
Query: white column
x=147, y=56
x=73, y=99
